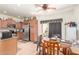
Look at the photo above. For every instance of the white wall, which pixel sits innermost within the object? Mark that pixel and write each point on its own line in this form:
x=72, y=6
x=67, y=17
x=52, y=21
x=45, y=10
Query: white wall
x=70, y=14
x=76, y=17
x=66, y=15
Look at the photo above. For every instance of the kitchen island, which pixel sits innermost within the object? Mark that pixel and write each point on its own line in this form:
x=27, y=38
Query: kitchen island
x=8, y=46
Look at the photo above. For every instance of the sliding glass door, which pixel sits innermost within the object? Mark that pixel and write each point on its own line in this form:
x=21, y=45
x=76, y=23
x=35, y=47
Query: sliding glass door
x=55, y=29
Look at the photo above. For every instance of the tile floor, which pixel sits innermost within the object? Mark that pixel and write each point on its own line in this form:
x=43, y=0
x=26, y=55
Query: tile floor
x=26, y=48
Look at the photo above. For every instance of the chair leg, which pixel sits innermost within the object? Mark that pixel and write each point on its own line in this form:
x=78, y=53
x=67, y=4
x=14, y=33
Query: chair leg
x=64, y=51
x=48, y=51
x=57, y=52
x=40, y=51
x=51, y=51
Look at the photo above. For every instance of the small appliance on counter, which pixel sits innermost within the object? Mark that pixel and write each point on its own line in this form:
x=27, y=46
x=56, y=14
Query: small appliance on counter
x=19, y=30
x=13, y=30
x=4, y=34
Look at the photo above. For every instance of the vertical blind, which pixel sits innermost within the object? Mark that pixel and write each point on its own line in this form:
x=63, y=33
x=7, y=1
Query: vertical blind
x=51, y=20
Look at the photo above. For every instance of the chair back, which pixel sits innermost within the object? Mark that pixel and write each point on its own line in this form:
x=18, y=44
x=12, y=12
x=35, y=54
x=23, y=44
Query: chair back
x=45, y=47
x=55, y=48
x=67, y=51
x=50, y=48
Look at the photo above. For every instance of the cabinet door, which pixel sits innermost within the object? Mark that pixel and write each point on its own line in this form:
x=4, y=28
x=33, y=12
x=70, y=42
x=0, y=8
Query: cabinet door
x=4, y=23
x=33, y=30
x=0, y=24
x=20, y=35
x=19, y=25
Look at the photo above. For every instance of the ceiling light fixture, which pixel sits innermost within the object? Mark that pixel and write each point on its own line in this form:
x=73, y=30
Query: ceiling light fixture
x=18, y=5
x=5, y=12
x=14, y=8
x=19, y=16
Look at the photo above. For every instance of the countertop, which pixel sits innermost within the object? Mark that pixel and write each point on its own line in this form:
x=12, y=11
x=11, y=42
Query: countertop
x=8, y=38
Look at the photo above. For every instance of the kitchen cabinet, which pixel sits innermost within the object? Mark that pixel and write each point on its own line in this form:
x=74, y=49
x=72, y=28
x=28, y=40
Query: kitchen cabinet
x=19, y=25
x=33, y=22
x=0, y=23
x=20, y=35
x=8, y=46
x=5, y=23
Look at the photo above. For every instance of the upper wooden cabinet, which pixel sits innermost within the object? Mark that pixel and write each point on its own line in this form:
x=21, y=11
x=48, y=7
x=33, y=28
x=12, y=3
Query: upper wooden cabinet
x=6, y=22
x=11, y=21
x=33, y=22
x=19, y=25
x=26, y=22
x=3, y=23
x=0, y=24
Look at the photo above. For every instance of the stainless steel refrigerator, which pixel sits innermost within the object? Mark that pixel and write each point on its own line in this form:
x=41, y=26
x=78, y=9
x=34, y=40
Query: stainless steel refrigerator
x=26, y=32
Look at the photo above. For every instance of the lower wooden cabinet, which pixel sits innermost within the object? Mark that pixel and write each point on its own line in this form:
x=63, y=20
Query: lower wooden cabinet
x=20, y=35
x=8, y=46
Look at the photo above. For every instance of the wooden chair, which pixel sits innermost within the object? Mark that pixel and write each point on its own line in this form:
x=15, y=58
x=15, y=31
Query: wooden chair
x=40, y=49
x=54, y=48
x=39, y=42
x=50, y=48
x=67, y=51
x=39, y=45
x=45, y=48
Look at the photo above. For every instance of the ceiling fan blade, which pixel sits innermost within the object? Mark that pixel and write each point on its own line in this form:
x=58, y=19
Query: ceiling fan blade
x=39, y=10
x=51, y=8
x=38, y=5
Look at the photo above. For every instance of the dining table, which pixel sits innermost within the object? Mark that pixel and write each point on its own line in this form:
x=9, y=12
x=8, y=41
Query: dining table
x=74, y=47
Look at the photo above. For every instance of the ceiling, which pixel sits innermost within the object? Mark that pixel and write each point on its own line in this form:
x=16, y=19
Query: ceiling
x=25, y=10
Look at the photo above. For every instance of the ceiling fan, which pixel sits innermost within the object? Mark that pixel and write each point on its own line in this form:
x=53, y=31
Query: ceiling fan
x=45, y=6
